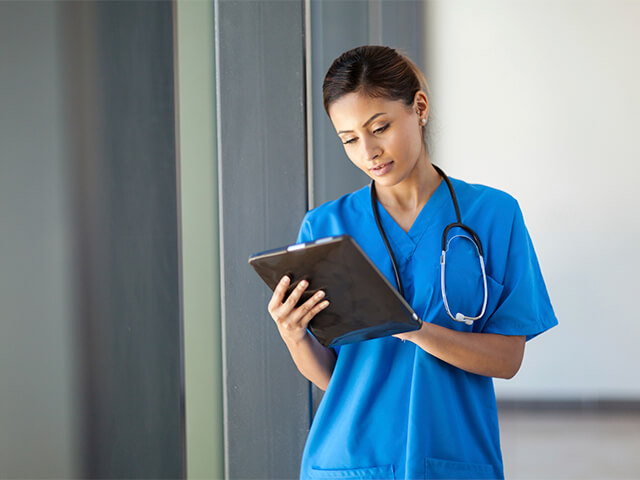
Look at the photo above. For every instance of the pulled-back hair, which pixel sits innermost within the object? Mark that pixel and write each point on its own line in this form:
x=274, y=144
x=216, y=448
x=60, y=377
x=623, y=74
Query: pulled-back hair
x=375, y=71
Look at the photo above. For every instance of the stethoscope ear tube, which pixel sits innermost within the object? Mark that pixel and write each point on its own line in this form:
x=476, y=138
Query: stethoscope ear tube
x=376, y=215
x=467, y=229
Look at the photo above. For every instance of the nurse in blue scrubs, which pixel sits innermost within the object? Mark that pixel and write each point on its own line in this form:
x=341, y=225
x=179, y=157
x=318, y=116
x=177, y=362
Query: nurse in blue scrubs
x=419, y=404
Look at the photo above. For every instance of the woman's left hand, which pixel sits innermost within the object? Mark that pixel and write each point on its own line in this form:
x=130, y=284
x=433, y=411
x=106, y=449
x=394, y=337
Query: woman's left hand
x=486, y=354
x=407, y=335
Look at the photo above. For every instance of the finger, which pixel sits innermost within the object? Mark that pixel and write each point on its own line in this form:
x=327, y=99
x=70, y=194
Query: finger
x=313, y=312
x=312, y=307
x=284, y=313
x=307, y=306
x=296, y=294
x=278, y=293
x=294, y=318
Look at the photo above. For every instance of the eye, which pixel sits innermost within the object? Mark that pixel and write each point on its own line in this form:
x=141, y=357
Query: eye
x=381, y=129
x=351, y=140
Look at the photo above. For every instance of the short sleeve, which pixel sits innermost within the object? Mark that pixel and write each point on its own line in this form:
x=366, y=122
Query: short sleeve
x=524, y=307
x=304, y=234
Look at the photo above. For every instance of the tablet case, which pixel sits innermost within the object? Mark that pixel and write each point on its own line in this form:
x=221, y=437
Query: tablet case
x=363, y=304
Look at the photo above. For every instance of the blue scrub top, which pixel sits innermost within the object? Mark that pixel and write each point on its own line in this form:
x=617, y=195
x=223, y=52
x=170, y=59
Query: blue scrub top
x=391, y=410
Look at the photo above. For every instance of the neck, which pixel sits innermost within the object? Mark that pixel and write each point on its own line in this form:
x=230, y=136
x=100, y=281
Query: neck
x=414, y=191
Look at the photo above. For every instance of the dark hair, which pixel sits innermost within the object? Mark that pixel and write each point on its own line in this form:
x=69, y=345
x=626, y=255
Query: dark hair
x=376, y=71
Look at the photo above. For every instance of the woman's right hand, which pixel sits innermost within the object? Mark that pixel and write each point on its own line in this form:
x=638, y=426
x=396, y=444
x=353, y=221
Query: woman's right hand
x=292, y=322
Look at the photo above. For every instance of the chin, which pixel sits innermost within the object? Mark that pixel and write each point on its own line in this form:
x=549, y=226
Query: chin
x=386, y=181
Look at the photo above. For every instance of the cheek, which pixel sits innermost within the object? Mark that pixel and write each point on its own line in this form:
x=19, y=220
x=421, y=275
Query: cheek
x=359, y=165
x=353, y=156
x=349, y=154
x=411, y=141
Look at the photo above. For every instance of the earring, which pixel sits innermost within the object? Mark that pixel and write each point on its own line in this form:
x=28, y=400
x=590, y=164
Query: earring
x=424, y=120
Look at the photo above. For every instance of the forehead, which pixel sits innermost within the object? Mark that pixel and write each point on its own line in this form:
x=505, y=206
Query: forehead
x=353, y=109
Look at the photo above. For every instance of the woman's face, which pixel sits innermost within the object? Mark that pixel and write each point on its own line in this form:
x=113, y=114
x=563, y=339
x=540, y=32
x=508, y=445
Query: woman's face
x=382, y=137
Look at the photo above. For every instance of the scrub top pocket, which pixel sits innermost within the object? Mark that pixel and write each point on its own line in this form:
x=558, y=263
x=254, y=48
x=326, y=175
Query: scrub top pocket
x=385, y=472
x=436, y=468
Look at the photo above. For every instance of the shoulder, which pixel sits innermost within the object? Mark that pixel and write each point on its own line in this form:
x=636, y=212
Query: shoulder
x=485, y=201
x=336, y=217
x=345, y=207
x=484, y=193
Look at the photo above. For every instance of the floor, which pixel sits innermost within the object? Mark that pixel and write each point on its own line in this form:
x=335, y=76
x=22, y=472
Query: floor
x=563, y=445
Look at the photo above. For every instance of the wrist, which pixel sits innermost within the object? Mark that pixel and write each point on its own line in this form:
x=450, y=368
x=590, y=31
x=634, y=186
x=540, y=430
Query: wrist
x=297, y=341
x=411, y=335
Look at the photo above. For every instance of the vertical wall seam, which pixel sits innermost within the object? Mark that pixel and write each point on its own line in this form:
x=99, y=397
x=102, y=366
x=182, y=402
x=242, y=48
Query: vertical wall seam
x=223, y=310
x=309, y=102
x=306, y=11
x=180, y=266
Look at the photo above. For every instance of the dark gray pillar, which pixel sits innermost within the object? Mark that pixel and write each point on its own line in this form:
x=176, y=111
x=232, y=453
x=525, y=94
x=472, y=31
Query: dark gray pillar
x=261, y=150
x=119, y=76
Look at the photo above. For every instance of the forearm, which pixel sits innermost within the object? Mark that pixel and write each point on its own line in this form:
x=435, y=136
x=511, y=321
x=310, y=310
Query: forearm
x=313, y=360
x=486, y=354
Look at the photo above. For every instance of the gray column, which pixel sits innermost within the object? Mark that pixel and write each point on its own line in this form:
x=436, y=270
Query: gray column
x=261, y=152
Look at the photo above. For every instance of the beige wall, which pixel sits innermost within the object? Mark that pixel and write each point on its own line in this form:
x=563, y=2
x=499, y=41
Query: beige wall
x=541, y=99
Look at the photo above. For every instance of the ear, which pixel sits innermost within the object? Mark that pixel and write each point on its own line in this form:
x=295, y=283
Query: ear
x=421, y=104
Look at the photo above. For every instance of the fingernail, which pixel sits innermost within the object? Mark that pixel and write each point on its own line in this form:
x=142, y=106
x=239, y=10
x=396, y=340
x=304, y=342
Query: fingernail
x=304, y=283
x=320, y=294
x=325, y=303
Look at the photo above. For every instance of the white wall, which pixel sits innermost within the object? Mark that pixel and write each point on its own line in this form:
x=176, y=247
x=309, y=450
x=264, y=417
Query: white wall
x=542, y=99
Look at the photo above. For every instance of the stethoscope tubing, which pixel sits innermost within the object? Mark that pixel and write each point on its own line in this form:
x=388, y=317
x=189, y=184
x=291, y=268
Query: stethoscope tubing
x=376, y=215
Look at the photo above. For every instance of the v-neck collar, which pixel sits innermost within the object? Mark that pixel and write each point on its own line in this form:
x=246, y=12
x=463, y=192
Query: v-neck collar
x=405, y=243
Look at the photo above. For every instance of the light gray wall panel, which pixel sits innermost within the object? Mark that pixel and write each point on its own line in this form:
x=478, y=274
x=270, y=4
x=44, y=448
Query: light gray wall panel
x=402, y=27
x=37, y=409
x=261, y=148
x=337, y=26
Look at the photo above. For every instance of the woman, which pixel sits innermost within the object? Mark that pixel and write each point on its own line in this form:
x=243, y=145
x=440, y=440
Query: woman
x=419, y=404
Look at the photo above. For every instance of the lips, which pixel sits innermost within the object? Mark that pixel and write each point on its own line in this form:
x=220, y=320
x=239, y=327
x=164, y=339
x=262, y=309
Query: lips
x=382, y=168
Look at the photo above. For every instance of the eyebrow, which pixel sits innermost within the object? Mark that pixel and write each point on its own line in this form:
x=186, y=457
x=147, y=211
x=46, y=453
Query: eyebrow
x=365, y=123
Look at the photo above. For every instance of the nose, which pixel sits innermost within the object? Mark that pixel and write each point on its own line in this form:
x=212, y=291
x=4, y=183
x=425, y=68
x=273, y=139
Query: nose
x=372, y=149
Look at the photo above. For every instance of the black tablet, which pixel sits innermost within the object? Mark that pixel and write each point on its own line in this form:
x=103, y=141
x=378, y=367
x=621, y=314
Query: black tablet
x=363, y=304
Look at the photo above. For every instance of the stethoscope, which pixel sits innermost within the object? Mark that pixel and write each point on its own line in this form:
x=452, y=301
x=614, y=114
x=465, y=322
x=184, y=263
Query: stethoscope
x=459, y=317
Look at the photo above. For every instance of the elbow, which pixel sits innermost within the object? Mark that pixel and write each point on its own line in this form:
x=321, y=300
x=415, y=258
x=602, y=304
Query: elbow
x=510, y=373
x=512, y=367
x=321, y=386
x=513, y=361
x=321, y=383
